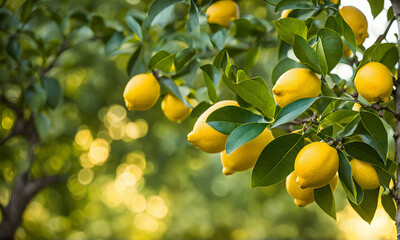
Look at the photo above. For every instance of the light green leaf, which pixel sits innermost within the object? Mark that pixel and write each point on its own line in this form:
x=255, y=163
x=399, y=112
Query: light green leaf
x=158, y=6
x=134, y=26
x=289, y=27
x=329, y=49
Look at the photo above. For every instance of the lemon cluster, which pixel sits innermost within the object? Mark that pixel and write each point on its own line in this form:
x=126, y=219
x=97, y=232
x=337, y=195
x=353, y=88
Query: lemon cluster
x=142, y=92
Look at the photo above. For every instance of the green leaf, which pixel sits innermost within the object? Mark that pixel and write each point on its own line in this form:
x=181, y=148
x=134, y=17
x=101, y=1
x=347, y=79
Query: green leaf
x=344, y=171
x=243, y=134
x=390, y=13
x=53, y=91
x=293, y=4
x=158, y=6
x=376, y=133
x=219, y=38
x=385, y=53
x=174, y=90
x=42, y=125
x=97, y=24
x=289, y=27
x=193, y=23
x=389, y=205
x=306, y=54
x=329, y=49
x=162, y=60
x=13, y=48
x=368, y=206
x=260, y=80
x=257, y=95
x=325, y=200
x=211, y=77
x=227, y=118
x=26, y=9
x=219, y=60
x=251, y=59
x=114, y=43
x=276, y=161
x=376, y=7
x=183, y=57
x=293, y=110
x=350, y=127
x=199, y=109
x=283, y=66
x=364, y=152
x=134, y=26
x=133, y=60
x=35, y=97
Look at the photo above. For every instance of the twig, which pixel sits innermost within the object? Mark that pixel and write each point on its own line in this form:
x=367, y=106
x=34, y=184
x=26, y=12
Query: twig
x=393, y=195
x=10, y=135
x=64, y=46
x=156, y=75
x=383, y=36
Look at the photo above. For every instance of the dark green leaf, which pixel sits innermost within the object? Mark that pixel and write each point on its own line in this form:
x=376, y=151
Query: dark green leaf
x=158, y=6
x=26, y=9
x=325, y=200
x=257, y=95
x=367, y=208
x=13, y=48
x=35, y=97
x=42, y=125
x=211, y=77
x=376, y=7
x=243, y=134
x=134, y=26
x=364, y=152
x=130, y=67
x=288, y=27
x=199, y=109
x=251, y=59
x=227, y=118
x=293, y=110
x=329, y=49
x=114, y=43
x=305, y=53
x=193, y=23
x=344, y=171
x=276, y=161
x=219, y=38
x=293, y=4
x=350, y=127
x=183, y=57
x=385, y=53
x=389, y=205
x=219, y=60
x=162, y=60
x=53, y=91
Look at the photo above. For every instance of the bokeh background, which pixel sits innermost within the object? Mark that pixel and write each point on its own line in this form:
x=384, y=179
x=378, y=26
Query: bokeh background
x=133, y=175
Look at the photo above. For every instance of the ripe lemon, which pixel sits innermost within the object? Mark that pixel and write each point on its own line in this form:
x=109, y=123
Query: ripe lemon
x=357, y=22
x=141, y=92
x=285, y=13
x=222, y=12
x=174, y=109
x=206, y=138
x=303, y=197
x=374, y=82
x=316, y=164
x=245, y=156
x=356, y=107
x=295, y=84
x=364, y=174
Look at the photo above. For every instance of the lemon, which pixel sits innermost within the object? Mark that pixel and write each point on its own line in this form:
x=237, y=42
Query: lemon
x=374, y=82
x=222, y=12
x=245, y=156
x=141, y=92
x=357, y=22
x=303, y=197
x=356, y=107
x=316, y=164
x=206, y=138
x=364, y=174
x=285, y=13
x=295, y=84
x=174, y=109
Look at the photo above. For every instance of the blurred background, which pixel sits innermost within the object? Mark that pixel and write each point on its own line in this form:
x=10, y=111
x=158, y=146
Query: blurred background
x=133, y=175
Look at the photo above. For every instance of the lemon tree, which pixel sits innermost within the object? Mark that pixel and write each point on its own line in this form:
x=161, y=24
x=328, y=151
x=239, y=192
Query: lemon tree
x=296, y=119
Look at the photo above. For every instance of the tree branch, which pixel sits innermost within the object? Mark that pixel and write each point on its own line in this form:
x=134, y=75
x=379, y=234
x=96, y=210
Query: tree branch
x=383, y=36
x=63, y=47
x=11, y=105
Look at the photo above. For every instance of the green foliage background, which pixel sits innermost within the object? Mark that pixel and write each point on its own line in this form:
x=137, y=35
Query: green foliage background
x=176, y=191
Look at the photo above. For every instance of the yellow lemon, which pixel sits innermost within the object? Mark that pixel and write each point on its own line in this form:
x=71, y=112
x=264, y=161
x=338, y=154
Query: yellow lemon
x=285, y=13
x=316, y=164
x=295, y=84
x=374, y=82
x=206, y=138
x=364, y=174
x=141, y=92
x=303, y=197
x=222, y=12
x=356, y=107
x=357, y=22
x=174, y=109
x=245, y=156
